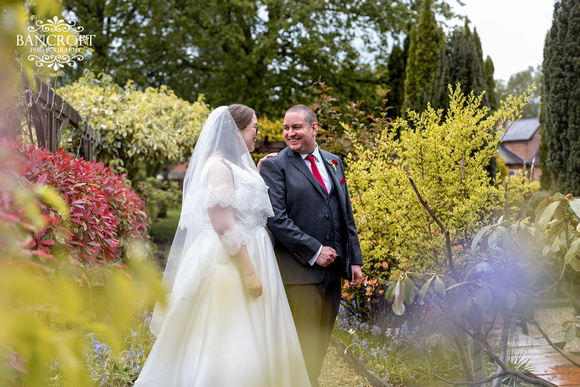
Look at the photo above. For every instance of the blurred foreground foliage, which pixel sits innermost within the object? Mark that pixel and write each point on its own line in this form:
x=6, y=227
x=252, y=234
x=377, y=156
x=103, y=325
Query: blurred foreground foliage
x=46, y=314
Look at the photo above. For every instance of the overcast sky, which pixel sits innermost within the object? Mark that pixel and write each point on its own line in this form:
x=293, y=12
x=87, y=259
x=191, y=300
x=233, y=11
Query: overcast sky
x=512, y=32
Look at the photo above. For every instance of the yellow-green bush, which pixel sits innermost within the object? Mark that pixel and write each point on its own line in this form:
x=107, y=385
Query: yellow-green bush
x=446, y=158
x=138, y=128
x=274, y=129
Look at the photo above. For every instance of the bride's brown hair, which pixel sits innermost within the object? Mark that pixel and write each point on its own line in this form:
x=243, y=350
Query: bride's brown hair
x=242, y=115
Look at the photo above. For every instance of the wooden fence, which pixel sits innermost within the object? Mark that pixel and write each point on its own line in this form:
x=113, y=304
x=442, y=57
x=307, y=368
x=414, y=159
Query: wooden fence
x=48, y=114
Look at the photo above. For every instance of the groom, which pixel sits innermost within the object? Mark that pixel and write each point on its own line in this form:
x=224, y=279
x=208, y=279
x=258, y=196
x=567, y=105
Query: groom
x=315, y=236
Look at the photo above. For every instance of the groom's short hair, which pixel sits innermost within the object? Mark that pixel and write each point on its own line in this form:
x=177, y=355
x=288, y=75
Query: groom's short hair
x=307, y=113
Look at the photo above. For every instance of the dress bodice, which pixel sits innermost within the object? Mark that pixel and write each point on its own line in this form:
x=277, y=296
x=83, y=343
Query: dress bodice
x=248, y=196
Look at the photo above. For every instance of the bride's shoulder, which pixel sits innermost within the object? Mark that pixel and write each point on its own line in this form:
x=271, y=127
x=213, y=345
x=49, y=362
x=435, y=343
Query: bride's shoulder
x=215, y=161
x=217, y=165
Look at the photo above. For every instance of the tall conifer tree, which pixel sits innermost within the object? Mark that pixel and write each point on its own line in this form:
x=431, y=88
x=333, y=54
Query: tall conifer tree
x=423, y=58
x=477, y=41
x=459, y=62
x=488, y=70
x=562, y=97
x=396, y=78
x=489, y=83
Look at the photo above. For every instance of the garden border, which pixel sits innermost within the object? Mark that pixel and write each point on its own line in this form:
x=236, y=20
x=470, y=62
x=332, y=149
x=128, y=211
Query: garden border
x=374, y=379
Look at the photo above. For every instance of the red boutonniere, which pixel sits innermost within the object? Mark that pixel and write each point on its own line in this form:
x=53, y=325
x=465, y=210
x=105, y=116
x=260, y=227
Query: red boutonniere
x=342, y=181
x=333, y=164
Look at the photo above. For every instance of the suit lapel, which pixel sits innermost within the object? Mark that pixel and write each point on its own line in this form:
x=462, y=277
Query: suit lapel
x=335, y=181
x=300, y=164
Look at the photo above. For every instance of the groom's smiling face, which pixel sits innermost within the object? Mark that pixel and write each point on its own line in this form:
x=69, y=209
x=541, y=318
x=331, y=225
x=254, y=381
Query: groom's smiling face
x=299, y=135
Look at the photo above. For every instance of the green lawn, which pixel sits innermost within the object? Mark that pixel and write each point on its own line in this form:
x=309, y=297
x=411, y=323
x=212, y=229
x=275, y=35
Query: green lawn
x=164, y=229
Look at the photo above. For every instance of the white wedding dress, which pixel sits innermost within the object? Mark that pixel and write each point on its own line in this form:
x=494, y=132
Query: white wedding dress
x=214, y=333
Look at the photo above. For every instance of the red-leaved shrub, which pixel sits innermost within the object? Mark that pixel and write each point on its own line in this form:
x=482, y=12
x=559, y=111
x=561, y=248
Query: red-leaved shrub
x=105, y=213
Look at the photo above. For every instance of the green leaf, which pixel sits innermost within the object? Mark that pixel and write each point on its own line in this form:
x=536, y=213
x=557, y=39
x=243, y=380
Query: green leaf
x=409, y=291
x=572, y=251
x=546, y=216
x=390, y=294
x=502, y=237
x=439, y=287
x=575, y=206
x=459, y=307
x=559, y=197
x=541, y=207
x=569, y=331
x=546, y=250
x=483, y=298
x=478, y=236
x=555, y=245
x=558, y=229
x=425, y=287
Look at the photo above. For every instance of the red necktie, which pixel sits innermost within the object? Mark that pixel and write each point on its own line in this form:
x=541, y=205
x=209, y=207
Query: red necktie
x=315, y=171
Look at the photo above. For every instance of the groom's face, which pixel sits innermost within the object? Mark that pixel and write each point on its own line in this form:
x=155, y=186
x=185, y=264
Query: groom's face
x=299, y=135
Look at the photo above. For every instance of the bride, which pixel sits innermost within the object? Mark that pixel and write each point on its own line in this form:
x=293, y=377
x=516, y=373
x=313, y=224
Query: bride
x=227, y=322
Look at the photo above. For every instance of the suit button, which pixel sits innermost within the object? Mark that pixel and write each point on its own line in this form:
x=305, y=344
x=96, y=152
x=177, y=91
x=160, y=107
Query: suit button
x=326, y=216
x=328, y=237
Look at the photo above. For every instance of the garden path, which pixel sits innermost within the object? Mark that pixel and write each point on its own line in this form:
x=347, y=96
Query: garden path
x=545, y=361
x=336, y=372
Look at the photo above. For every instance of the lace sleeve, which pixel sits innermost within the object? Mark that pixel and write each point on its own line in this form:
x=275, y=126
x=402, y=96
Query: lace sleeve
x=233, y=240
x=223, y=195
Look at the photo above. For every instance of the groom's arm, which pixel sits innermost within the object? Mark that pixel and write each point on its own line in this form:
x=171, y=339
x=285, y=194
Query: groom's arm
x=302, y=246
x=354, y=244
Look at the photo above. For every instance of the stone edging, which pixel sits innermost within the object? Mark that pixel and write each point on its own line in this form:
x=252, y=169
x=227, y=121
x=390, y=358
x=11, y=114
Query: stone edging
x=358, y=366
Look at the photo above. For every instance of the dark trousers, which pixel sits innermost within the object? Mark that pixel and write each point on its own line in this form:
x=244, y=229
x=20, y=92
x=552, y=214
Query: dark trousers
x=314, y=309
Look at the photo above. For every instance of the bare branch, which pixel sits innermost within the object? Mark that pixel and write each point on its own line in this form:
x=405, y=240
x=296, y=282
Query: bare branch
x=508, y=371
x=531, y=175
x=441, y=226
x=506, y=214
x=537, y=325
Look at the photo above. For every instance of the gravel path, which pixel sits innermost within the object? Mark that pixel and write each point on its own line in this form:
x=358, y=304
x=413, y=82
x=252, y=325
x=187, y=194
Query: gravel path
x=336, y=372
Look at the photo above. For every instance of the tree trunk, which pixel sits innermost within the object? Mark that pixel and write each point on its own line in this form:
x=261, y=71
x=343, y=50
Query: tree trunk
x=477, y=353
x=463, y=353
x=502, y=349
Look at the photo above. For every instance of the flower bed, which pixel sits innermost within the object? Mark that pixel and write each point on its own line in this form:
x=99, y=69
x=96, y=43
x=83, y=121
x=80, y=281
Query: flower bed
x=119, y=367
x=397, y=354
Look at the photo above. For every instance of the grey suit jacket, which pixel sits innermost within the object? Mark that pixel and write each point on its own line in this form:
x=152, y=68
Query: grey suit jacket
x=301, y=222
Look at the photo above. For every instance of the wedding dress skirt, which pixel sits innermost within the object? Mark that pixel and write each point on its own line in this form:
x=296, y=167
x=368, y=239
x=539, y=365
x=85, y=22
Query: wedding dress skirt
x=214, y=334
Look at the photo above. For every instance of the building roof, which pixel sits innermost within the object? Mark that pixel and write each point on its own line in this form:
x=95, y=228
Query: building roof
x=512, y=158
x=522, y=130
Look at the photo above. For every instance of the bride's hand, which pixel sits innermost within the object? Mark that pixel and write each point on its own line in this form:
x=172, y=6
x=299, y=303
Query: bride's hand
x=264, y=158
x=253, y=285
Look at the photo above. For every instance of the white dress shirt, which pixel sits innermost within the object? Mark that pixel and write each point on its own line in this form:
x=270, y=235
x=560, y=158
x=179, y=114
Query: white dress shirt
x=321, y=168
